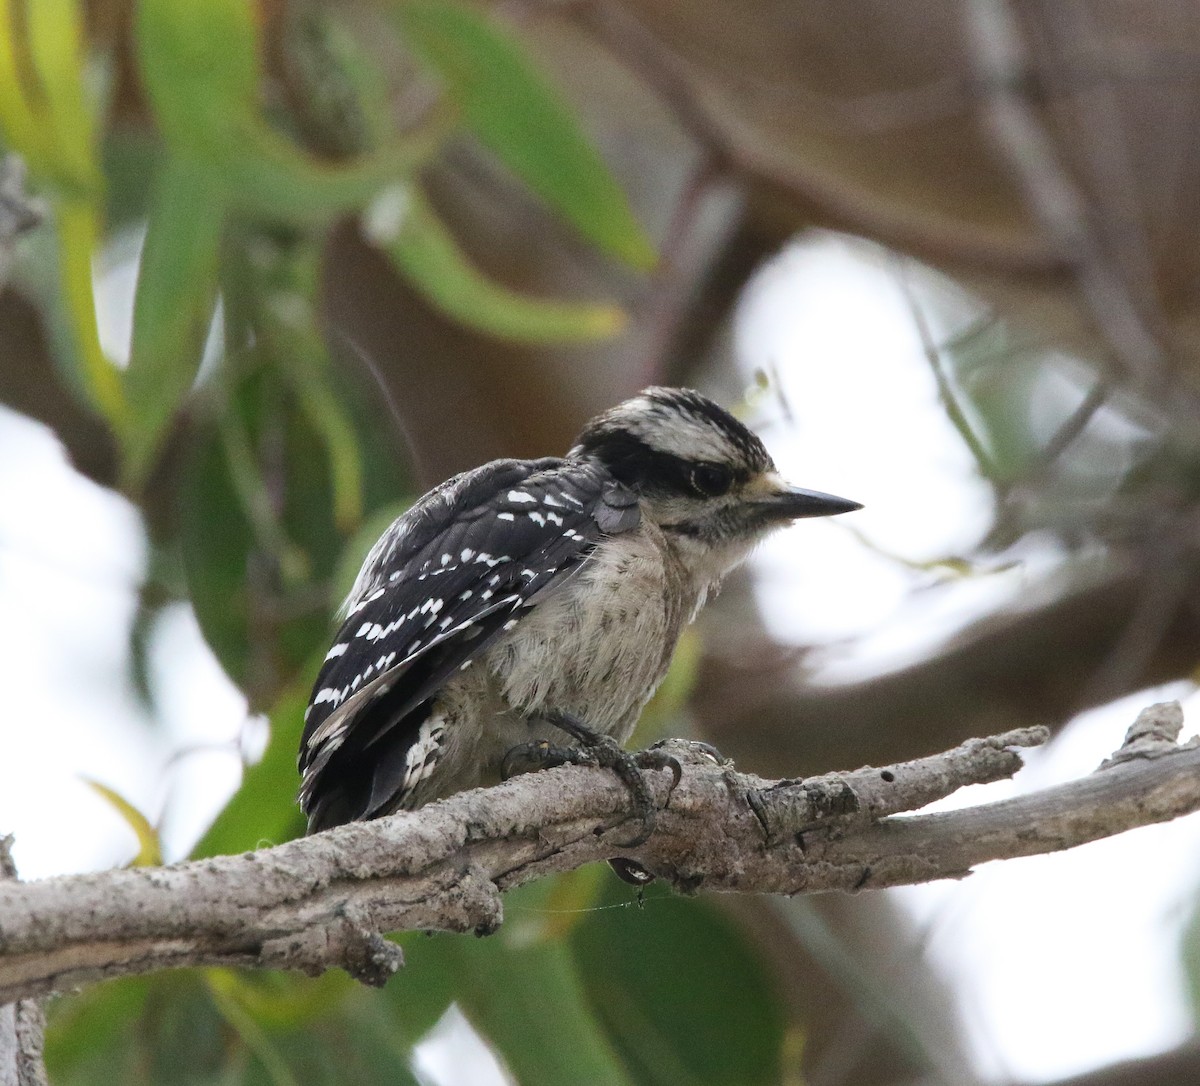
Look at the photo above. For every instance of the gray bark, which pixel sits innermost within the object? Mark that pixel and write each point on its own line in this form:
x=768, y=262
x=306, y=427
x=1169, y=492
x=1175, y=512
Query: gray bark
x=22, y=1023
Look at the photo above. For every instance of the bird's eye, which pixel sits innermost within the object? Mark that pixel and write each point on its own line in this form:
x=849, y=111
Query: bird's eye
x=711, y=480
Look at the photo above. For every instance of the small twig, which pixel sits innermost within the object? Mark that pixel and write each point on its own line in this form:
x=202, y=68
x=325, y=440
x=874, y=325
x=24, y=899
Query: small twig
x=933, y=354
x=1072, y=427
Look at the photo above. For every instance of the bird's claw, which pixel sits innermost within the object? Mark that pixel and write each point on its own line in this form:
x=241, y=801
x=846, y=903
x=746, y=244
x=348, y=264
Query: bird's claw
x=599, y=750
x=538, y=754
x=655, y=758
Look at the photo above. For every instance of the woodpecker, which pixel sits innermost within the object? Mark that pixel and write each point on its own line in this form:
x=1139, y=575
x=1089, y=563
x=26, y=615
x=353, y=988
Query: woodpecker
x=525, y=598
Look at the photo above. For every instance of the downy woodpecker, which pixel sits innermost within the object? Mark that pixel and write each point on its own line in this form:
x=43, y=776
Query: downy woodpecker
x=526, y=597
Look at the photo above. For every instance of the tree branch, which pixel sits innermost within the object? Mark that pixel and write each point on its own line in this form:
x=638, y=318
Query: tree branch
x=325, y=900
x=22, y=1023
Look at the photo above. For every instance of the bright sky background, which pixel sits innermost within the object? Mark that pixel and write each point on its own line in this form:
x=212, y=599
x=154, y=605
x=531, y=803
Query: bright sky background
x=1058, y=964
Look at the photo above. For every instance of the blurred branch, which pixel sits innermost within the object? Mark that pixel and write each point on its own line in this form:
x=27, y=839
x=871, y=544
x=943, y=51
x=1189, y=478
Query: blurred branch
x=324, y=901
x=749, y=155
x=1034, y=662
x=19, y=211
x=946, y=394
x=1028, y=148
x=1177, y=1067
x=22, y=1023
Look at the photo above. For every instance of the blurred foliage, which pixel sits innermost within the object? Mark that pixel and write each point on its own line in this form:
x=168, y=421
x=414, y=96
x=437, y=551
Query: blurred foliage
x=149, y=853
x=230, y=383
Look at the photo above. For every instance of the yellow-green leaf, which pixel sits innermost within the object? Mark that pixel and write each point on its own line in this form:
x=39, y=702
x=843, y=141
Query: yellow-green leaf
x=510, y=106
x=401, y=222
x=149, y=852
x=44, y=112
x=78, y=228
x=57, y=52
x=22, y=129
x=46, y=117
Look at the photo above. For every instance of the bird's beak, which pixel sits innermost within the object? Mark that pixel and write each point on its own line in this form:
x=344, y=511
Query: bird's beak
x=788, y=502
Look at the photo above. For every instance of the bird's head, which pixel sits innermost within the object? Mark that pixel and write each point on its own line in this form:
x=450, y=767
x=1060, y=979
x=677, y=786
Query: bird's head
x=700, y=474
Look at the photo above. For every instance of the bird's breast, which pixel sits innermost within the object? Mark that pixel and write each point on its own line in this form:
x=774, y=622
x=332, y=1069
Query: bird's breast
x=599, y=647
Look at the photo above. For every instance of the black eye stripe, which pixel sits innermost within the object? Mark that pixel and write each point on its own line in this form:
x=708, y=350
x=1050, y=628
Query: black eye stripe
x=650, y=470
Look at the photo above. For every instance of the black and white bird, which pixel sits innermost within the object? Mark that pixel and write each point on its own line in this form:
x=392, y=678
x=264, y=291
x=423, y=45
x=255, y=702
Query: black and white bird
x=529, y=597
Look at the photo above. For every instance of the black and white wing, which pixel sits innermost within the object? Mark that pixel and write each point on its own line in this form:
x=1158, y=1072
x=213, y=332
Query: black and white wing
x=451, y=575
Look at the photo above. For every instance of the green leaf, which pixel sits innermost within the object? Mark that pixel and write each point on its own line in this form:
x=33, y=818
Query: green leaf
x=285, y=277
x=568, y=902
x=200, y=66
x=271, y=179
x=84, y=1031
x=173, y=304
x=221, y=1028
x=131, y=158
x=507, y=103
x=149, y=852
x=343, y=96
x=180, y=1038
x=401, y=222
x=216, y=563
x=681, y=993
x=514, y=992
x=423, y=990
x=45, y=115
x=259, y=584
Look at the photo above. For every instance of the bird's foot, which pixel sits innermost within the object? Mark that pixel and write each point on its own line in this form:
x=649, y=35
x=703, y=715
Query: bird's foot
x=600, y=750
